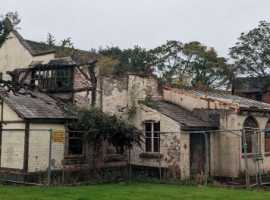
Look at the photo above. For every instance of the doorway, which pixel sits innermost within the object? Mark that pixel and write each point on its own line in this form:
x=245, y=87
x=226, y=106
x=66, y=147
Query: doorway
x=197, y=153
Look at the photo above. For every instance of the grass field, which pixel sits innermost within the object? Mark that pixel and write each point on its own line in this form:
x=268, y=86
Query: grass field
x=131, y=191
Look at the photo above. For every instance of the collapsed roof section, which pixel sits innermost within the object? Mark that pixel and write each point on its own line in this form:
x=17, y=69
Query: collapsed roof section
x=32, y=104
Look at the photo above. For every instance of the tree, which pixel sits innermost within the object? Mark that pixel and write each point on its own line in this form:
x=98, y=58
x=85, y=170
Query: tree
x=50, y=40
x=204, y=66
x=167, y=59
x=8, y=22
x=251, y=54
x=135, y=59
x=66, y=49
x=108, y=128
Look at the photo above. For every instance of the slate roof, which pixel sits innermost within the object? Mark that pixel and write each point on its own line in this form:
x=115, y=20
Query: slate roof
x=187, y=120
x=39, y=48
x=229, y=100
x=33, y=105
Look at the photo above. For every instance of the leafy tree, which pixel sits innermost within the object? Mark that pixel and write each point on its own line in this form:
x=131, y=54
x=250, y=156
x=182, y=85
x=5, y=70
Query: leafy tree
x=66, y=49
x=251, y=54
x=8, y=22
x=204, y=66
x=179, y=61
x=108, y=128
x=136, y=59
x=167, y=59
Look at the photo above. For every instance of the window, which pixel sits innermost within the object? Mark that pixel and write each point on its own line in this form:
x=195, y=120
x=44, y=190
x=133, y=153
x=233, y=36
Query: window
x=250, y=123
x=53, y=77
x=75, y=144
x=258, y=97
x=267, y=138
x=152, y=137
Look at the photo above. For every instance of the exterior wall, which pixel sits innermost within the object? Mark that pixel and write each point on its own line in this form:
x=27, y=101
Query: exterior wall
x=189, y=102
x=45, y=58
x=14, y=56
x=39, y=148
x=12, y=150
x=115, y=95
x=265, y=165
x=174, y=147
x=225, y=148
x=83, y=98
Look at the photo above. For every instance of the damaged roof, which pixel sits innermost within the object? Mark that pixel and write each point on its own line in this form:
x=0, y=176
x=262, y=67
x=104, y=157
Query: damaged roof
x=40, y=48
x=230, y=100
x=187, y=120
x=30, y=104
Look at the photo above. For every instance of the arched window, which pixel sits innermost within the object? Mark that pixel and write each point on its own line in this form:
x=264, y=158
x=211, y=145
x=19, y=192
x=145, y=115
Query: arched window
x=250, y=122
x=267, y=138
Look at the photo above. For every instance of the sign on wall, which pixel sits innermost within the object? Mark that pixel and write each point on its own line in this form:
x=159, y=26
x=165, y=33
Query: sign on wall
x=58, y=136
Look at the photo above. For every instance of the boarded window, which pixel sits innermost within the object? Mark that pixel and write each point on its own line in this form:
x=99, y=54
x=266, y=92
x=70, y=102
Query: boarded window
x=152, y=137
x=267, y=138
x=75, y=144
x=250, y=123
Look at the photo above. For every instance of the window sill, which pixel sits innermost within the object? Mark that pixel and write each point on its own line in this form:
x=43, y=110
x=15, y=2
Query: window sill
x=249, y=155
x=74, y=156
x=267, y=154
x=151, y=155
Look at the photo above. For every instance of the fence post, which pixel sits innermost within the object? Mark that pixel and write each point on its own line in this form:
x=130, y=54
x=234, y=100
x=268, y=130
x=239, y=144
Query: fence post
x=206, y=159
x=50, y=159
x=129, y=160
x=246, y=161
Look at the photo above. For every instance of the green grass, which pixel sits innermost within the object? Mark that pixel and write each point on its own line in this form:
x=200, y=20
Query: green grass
x=131, y=191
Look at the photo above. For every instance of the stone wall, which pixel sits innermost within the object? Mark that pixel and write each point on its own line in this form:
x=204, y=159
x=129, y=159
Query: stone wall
x=174, y=147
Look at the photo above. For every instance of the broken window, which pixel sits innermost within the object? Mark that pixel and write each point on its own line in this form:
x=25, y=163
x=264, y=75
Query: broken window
x=75, y=144
x=152, y=137
x=267, y=138
x=53, y=77
x=250, y=122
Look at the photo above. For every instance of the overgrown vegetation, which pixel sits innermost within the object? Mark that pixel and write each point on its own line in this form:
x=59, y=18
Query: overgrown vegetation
x=251, y=56
x=104, y=127
x=8, y=22
x=135, y=59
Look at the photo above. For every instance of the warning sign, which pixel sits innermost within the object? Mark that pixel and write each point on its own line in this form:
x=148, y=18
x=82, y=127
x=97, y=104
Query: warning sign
x=58, y=135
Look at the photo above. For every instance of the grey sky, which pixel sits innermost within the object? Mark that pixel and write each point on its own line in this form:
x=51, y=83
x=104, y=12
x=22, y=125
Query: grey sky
x=148, y=23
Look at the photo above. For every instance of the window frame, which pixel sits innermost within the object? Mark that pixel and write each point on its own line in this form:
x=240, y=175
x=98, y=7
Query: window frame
x=82, y=138
x=260, y=97
x=266, y=126
x=251, y=132
x=49, y=77
x=152, y=137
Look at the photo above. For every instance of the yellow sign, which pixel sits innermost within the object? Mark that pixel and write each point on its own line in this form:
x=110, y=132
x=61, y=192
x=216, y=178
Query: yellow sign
x=58, y=135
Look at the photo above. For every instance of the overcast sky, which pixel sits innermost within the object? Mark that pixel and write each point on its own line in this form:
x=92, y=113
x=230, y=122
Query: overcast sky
x=148, y=23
